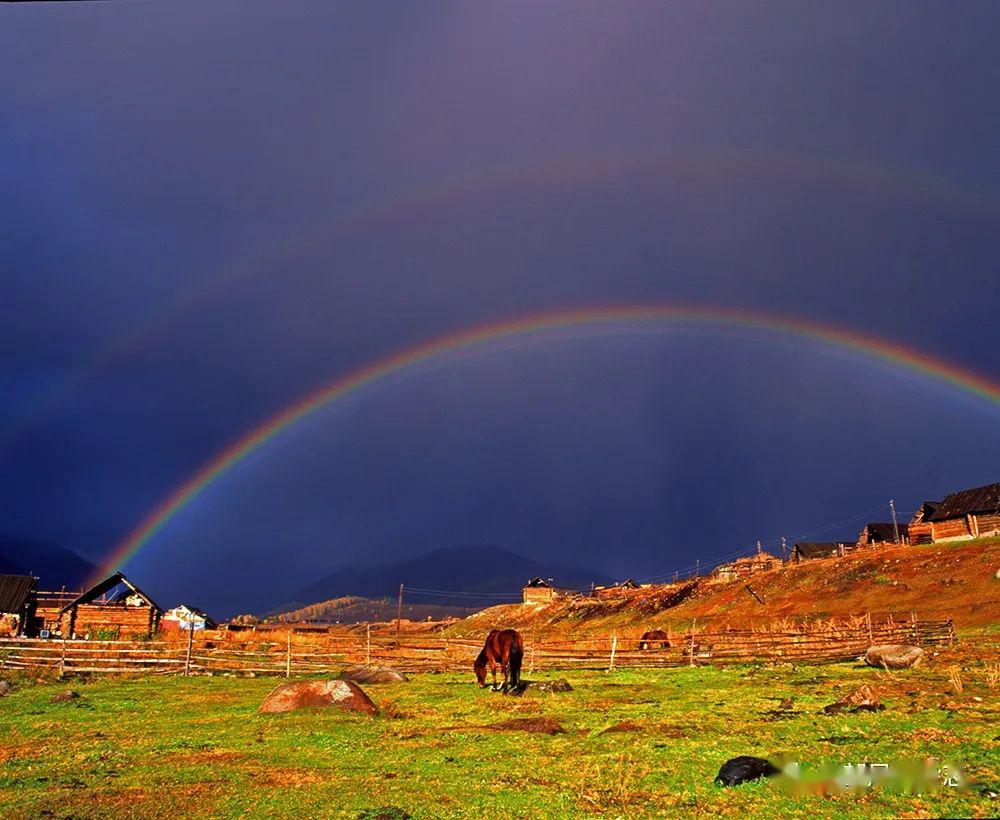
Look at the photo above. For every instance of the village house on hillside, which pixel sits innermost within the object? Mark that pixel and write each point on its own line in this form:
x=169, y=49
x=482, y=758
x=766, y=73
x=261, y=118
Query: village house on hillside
x=919, y=528
x=882, y=533
x=17, y=604
x=538, y=590
x=967, y=514
x=811, y=550
x=743, y=567
x=621, y=588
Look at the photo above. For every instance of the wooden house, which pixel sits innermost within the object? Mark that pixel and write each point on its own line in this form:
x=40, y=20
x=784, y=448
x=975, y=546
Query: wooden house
x=967, y=514
x=621, y=588
x=17, y=604
x=747, y=566
x=920, y=528
x=538, y=590
x=114, y=608
x=811, y=550
x=881, y=534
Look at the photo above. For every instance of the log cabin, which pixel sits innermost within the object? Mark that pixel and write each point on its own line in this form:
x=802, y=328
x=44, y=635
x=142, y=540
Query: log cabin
x=538, y=590
x=114, y=608
x=881, y=534
x=811, y=550
x=919, y=528
x=17, y=604
x=967, y=514
x=744, y=567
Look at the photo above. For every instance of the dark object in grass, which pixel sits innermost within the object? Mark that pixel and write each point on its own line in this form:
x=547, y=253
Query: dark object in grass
x=65, y=697
x=5, y=688
x=557, y=685
x=743, y=769
x=385, y=813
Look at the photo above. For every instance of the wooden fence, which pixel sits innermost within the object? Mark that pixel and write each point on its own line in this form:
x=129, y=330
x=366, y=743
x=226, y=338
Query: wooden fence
x=315, y=654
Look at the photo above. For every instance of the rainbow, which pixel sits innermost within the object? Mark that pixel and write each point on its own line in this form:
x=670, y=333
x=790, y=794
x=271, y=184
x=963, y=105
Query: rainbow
x=481, y=336
x=565, y=170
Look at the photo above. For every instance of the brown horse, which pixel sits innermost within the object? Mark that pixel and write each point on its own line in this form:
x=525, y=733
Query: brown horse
x=504, y=649
x=654, y=636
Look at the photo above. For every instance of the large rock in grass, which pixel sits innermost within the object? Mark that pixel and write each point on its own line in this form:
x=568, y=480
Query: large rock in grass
x=372, y=674
x=5, y=688
x=556, y=685
x=301, y=694
x=894, y=656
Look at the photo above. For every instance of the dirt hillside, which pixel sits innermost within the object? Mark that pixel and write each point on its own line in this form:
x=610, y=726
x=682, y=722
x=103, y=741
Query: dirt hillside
x=955, y=580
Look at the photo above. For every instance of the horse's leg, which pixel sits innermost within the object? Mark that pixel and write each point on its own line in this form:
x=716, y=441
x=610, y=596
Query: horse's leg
x=493, y=669
x=506, y=679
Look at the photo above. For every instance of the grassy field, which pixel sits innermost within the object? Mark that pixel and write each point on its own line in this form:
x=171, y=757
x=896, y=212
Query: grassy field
x=196, y=747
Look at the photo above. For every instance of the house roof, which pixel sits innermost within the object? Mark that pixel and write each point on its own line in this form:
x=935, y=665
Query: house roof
x=14, y=591
x=976, y=500
x=538, y=582
x=883, y=531
x=107, y=585
x=815, y=549
x=925, y=511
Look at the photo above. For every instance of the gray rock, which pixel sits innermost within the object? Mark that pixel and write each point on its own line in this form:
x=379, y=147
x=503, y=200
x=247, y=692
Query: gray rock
x=557, y=685
x=372, y=674
x=5, y=688
x=305, y=693
x=65, y=697
x=893, y=656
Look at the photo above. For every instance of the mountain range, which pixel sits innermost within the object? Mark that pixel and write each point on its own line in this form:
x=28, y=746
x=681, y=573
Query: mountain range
x=466, y=576
x=54, y=565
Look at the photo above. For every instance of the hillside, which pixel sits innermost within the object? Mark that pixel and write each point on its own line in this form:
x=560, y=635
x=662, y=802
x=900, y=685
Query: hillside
x=956, y=580
x=55, y=566
x=352, y=609
x=483, y=574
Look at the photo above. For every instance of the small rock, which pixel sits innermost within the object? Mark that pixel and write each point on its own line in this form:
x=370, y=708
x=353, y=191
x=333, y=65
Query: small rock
x=862, y=699
x=5, y=688
x=372, y=674
x=65, y=697
x=557, y=685
x=743, y=769
x=304, y=693
x=893, y=656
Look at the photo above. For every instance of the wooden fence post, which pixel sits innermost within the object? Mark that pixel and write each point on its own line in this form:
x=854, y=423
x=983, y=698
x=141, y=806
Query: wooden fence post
x=62, y=658
x=913, y=627
x=868, y=618
x=288, y=654
x=187, y=659
x=368, y=644
x=691, y=660
x=614, y=646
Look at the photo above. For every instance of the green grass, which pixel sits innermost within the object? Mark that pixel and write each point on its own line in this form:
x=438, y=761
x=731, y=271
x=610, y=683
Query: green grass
x=196, y=747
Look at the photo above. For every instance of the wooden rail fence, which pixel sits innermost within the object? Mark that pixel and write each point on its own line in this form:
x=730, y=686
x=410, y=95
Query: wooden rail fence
x=330, y=653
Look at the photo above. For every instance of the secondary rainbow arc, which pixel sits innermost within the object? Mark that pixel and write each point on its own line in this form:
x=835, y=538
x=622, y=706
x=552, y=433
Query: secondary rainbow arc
x=872, y=347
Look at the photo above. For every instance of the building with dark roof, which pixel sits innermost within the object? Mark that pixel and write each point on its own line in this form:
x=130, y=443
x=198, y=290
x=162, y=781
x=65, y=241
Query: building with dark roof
x=919, y=528
x=882, y=533
x=114, y=607
x=17, y=603
x=967, y=514
x=811, y=550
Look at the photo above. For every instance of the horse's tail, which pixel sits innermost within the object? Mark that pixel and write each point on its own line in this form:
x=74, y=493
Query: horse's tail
x=516, y=657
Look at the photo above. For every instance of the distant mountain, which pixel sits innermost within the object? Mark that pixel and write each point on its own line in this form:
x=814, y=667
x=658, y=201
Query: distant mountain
x=494, y=574
x=54, y=565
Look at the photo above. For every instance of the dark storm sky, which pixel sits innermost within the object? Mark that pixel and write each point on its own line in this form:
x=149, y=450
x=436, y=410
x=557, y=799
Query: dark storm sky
x=210, y=209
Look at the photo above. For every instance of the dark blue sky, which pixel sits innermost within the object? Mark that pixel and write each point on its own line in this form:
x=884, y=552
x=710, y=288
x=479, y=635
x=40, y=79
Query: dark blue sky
x=317, y=185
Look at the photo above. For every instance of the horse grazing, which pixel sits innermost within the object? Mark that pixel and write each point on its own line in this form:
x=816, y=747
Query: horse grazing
x=654, y=636
x=503, y=648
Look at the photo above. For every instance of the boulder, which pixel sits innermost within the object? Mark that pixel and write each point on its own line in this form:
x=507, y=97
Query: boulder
x=305, y=693
x=65, y=697
x=372, y=674
x=862, y=699
x=894, y=656
x=743, y=769
x=5, y=688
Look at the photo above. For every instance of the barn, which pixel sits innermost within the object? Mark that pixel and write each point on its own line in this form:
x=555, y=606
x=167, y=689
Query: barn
x=17, y=604
x=114, y=608
x=919, y=528
x=967, y=514
x=881, y=534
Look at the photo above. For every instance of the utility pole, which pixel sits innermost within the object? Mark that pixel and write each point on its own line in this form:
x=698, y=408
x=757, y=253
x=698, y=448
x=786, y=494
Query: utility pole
x=895, y=526
x=784, y=548
x=399, y=609
x=760, y=549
